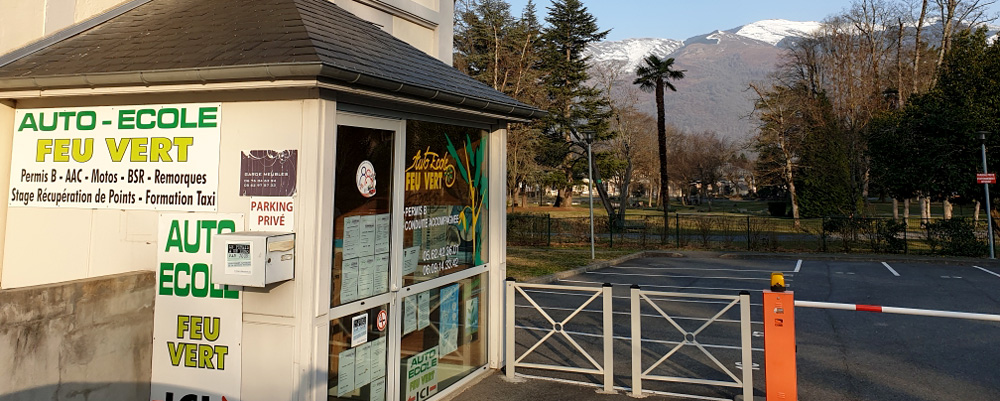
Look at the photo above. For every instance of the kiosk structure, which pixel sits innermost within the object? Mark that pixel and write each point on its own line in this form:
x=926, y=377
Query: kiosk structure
x=149, y=137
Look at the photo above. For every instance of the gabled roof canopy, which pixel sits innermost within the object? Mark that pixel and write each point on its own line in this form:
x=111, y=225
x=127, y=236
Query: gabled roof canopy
x=184, y=41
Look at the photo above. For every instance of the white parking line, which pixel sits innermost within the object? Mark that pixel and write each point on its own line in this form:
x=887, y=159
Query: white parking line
x=798, y=265
x=672, y=276
x=890, y=269
x=980, y=268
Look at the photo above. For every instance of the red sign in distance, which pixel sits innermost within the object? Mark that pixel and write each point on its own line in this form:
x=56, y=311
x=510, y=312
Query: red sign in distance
x=986, y=178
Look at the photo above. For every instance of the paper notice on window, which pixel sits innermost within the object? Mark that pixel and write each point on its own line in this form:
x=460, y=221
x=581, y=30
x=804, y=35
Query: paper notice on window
x=381, y=273
x=352, y=237
x=378, y=390
x=366, y=276
x=383, y=222
x=359, y=329
x=471, y=316
x=423, y=310
x=378, y=352
x=409, y=315
x=362, y=365
x=411, y=256
x=345, y=373
x=367, y=239
x=349, y=281
x=238, y=258
x=448, y=320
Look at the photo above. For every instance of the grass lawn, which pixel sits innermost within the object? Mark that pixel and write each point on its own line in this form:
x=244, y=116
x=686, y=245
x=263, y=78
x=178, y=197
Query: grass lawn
x=527, y=262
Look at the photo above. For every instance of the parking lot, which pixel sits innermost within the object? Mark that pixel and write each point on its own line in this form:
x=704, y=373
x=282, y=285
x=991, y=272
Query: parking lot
x=842, y=355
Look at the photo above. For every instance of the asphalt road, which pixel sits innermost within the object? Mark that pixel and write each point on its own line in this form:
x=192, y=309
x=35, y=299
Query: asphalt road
x=842, y=355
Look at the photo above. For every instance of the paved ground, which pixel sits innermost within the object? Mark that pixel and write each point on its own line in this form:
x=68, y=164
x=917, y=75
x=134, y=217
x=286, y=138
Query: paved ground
x=842, y=355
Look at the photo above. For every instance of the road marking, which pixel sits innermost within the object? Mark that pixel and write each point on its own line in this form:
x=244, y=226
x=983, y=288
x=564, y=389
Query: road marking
x=950, y=277
x=798, y=265
x=753, y=366
x=890, y=269
x=671, y=276
x=980, y=268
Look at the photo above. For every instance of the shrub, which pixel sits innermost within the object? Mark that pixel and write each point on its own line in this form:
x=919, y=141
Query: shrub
x=955, y=237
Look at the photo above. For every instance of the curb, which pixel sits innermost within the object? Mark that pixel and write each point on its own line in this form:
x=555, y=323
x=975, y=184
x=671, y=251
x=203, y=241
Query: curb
x=602, y=264
x=863, y=258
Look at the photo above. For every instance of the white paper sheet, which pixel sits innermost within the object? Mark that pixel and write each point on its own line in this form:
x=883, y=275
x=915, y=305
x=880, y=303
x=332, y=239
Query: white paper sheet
x=366, y=276
x=366, y=243
x=423, y=310
x=345, y=372
x=411, y=257
x=362, y=365
x=378, y=390
x=352, y=236
x=409, y=314
x=349, y=281
x=383, y=223
x=378, y=352
x=381, y=273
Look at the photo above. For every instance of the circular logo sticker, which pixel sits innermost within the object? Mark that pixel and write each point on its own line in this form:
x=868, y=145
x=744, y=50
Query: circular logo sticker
x=366, y=179
x=382, y=320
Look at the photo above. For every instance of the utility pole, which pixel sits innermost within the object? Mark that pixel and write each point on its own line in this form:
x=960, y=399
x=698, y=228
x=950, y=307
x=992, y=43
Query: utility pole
x=986, y=188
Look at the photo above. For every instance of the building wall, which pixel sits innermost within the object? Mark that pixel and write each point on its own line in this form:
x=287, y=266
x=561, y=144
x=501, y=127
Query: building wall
x=79, y=340
x=23, y=22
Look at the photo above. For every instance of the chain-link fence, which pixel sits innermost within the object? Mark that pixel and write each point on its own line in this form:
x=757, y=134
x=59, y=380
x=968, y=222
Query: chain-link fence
x=753, y=233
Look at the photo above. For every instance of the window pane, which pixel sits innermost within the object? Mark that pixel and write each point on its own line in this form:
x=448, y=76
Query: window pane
x=442, y=339
x=446, y=211
x=362, y=206
x=358, y=356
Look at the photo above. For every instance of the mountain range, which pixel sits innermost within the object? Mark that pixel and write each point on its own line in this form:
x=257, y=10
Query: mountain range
x=718, y=67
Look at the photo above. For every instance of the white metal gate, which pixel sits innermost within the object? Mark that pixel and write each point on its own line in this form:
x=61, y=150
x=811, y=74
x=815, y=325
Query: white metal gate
x=606, y=370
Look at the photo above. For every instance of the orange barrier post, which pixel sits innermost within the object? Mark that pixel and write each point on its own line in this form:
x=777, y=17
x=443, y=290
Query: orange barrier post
x=779, y=342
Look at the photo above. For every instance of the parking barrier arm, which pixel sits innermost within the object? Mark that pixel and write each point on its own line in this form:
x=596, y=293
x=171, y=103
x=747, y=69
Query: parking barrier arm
x=898, y=310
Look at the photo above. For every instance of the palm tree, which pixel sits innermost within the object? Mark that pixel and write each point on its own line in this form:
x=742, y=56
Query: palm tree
x=654, y=75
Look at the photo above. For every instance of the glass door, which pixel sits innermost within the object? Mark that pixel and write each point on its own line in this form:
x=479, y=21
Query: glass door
x=360, y=298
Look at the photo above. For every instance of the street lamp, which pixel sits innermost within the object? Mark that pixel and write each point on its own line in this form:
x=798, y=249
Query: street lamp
x=986, y=188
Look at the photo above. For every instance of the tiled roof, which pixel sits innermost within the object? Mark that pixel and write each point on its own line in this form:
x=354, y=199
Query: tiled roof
x=164, y=35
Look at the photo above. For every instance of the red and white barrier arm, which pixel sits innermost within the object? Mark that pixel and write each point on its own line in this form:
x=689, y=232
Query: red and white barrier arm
x=898, y=311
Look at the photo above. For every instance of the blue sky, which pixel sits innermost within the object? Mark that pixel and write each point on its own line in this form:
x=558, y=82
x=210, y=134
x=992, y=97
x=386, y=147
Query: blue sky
x=683, y=19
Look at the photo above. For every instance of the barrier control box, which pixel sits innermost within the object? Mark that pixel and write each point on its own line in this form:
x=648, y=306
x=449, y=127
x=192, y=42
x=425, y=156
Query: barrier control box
x=253, y=258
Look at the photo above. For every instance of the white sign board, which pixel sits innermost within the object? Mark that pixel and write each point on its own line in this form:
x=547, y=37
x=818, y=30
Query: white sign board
x=272, y=214
x=149, y=157
x=197, y=325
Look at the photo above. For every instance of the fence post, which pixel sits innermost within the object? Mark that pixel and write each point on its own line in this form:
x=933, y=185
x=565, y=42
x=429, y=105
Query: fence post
x=549, y=219
x=636, y=341
x=677, y=224
x=609, y=371
x=746, y=333
x=748, y=234
x=509, y=358
x=906, y=242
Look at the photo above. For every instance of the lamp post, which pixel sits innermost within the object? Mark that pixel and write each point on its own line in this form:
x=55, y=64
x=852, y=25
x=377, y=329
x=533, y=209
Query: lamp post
x=590, y=190
x=986, y=188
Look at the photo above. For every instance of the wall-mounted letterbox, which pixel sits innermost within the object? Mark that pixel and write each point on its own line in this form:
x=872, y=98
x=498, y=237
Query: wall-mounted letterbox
x=253, y=258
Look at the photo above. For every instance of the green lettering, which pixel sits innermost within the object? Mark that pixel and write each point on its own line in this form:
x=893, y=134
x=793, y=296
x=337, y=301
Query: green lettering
x=167, y=112
x=41, y=122
x=189, y=247
x=85, y=127
x=231, y=294
x=181, y=291
x=126, y=120
x=208, y=225
x=66, y=115
x=184, y=122
x=145, y=125
x=174, y=237
x=207, y=116
x=28, y=122
x=166, y=278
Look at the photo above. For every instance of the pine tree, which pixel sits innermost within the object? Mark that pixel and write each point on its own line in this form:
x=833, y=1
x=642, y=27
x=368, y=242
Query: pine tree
x=577, y=112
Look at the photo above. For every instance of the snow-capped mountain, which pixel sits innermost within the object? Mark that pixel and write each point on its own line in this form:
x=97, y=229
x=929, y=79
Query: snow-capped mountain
x=719, y=66
x=631, y=51
x=774, y=31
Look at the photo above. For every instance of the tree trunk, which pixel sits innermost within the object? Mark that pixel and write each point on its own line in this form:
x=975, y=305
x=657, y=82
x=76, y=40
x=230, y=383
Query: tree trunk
x=906, y=211
x=661, y=130
x=975, y=214
x=895, y=209
x=946, y=204
x=791, y=191
x=916, y=48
